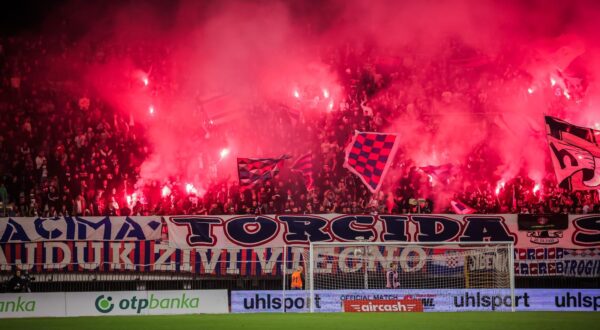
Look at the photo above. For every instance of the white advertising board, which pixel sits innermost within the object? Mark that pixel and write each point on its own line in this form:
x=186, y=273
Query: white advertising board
x=146, y=302
x=32, y=304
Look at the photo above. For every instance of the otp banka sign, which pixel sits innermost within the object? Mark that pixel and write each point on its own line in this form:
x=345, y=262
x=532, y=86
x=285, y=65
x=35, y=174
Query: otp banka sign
x=146, y=302
x=113, y=303
x=138, y=305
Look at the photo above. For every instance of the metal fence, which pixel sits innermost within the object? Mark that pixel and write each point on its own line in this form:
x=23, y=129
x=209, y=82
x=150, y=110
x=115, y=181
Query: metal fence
x=131, y=281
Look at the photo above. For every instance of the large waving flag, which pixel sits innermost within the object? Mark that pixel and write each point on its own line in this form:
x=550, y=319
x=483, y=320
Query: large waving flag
x=369, y=156
x=575, y=154
x=252, y=171
x=304, y=166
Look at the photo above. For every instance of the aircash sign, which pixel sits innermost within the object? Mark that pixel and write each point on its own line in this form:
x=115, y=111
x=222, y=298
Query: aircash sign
x=186, y=232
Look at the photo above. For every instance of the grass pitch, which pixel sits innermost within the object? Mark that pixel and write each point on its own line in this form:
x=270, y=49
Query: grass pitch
x=321, y=321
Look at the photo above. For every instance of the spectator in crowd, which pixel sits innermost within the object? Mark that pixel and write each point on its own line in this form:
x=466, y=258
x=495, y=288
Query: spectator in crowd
x=87, y=160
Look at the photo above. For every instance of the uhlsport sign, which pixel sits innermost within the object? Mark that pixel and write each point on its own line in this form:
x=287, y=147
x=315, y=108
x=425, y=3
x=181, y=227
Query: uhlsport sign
x=431, y=300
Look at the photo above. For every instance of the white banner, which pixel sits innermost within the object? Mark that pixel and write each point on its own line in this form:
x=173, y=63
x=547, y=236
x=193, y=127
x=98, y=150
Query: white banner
x=247, y=231
x=32, y=304
x=24, y=230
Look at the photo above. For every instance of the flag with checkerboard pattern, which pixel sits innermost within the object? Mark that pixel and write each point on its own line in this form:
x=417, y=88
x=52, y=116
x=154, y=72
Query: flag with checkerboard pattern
x=369, y=156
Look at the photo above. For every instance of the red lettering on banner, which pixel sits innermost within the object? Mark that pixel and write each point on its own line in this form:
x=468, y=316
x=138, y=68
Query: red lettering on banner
x=379, y=305
x=38, y=257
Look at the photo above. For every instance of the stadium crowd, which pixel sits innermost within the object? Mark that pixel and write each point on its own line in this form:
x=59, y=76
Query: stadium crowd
x=65, y=151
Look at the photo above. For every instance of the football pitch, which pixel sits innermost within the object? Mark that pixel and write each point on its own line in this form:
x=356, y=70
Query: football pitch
x=321, y=321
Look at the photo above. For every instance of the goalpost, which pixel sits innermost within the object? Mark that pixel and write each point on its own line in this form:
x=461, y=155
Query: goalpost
x=418, y=266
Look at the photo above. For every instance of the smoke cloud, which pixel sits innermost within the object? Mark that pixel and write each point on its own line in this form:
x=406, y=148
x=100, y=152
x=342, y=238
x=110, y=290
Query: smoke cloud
x=222, y=73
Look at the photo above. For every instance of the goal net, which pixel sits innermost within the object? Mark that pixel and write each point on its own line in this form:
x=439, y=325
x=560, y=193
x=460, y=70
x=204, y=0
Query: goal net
x=407, y=267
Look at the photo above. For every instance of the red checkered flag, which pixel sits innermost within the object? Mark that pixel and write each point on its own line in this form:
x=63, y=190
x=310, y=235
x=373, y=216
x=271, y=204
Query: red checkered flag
x=253, y=171
x=369, y=156
x=304, y=166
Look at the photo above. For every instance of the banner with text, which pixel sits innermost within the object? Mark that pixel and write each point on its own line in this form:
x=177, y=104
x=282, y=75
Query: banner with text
x=149, y=256
x=146, y=302
x=32, y=304
x=248, y=231
x=432, y=300
x=113, y=303
x=24, y=230
x=187, y=232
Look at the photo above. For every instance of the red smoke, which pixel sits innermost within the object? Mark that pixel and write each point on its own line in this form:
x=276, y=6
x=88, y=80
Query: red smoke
x=221, y=74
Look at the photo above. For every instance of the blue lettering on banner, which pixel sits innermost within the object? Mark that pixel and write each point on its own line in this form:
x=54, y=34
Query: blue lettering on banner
x=352, y=228
x=587, y=231
x=581, y=267
x=84, y=225
x=300, y=229
x=199, y=229
x=394, y=228
x=130, y=229
x=54, y=233
x=588, y=267
x=251, y=231
x=484, y=228
x=436, y=229
x=434, y=300
x=23, y=230
x=14, y=232
x=186, y=232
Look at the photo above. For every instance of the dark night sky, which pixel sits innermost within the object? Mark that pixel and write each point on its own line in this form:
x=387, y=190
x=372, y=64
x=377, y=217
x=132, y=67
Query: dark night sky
x=34, y=16
x=25, y=15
